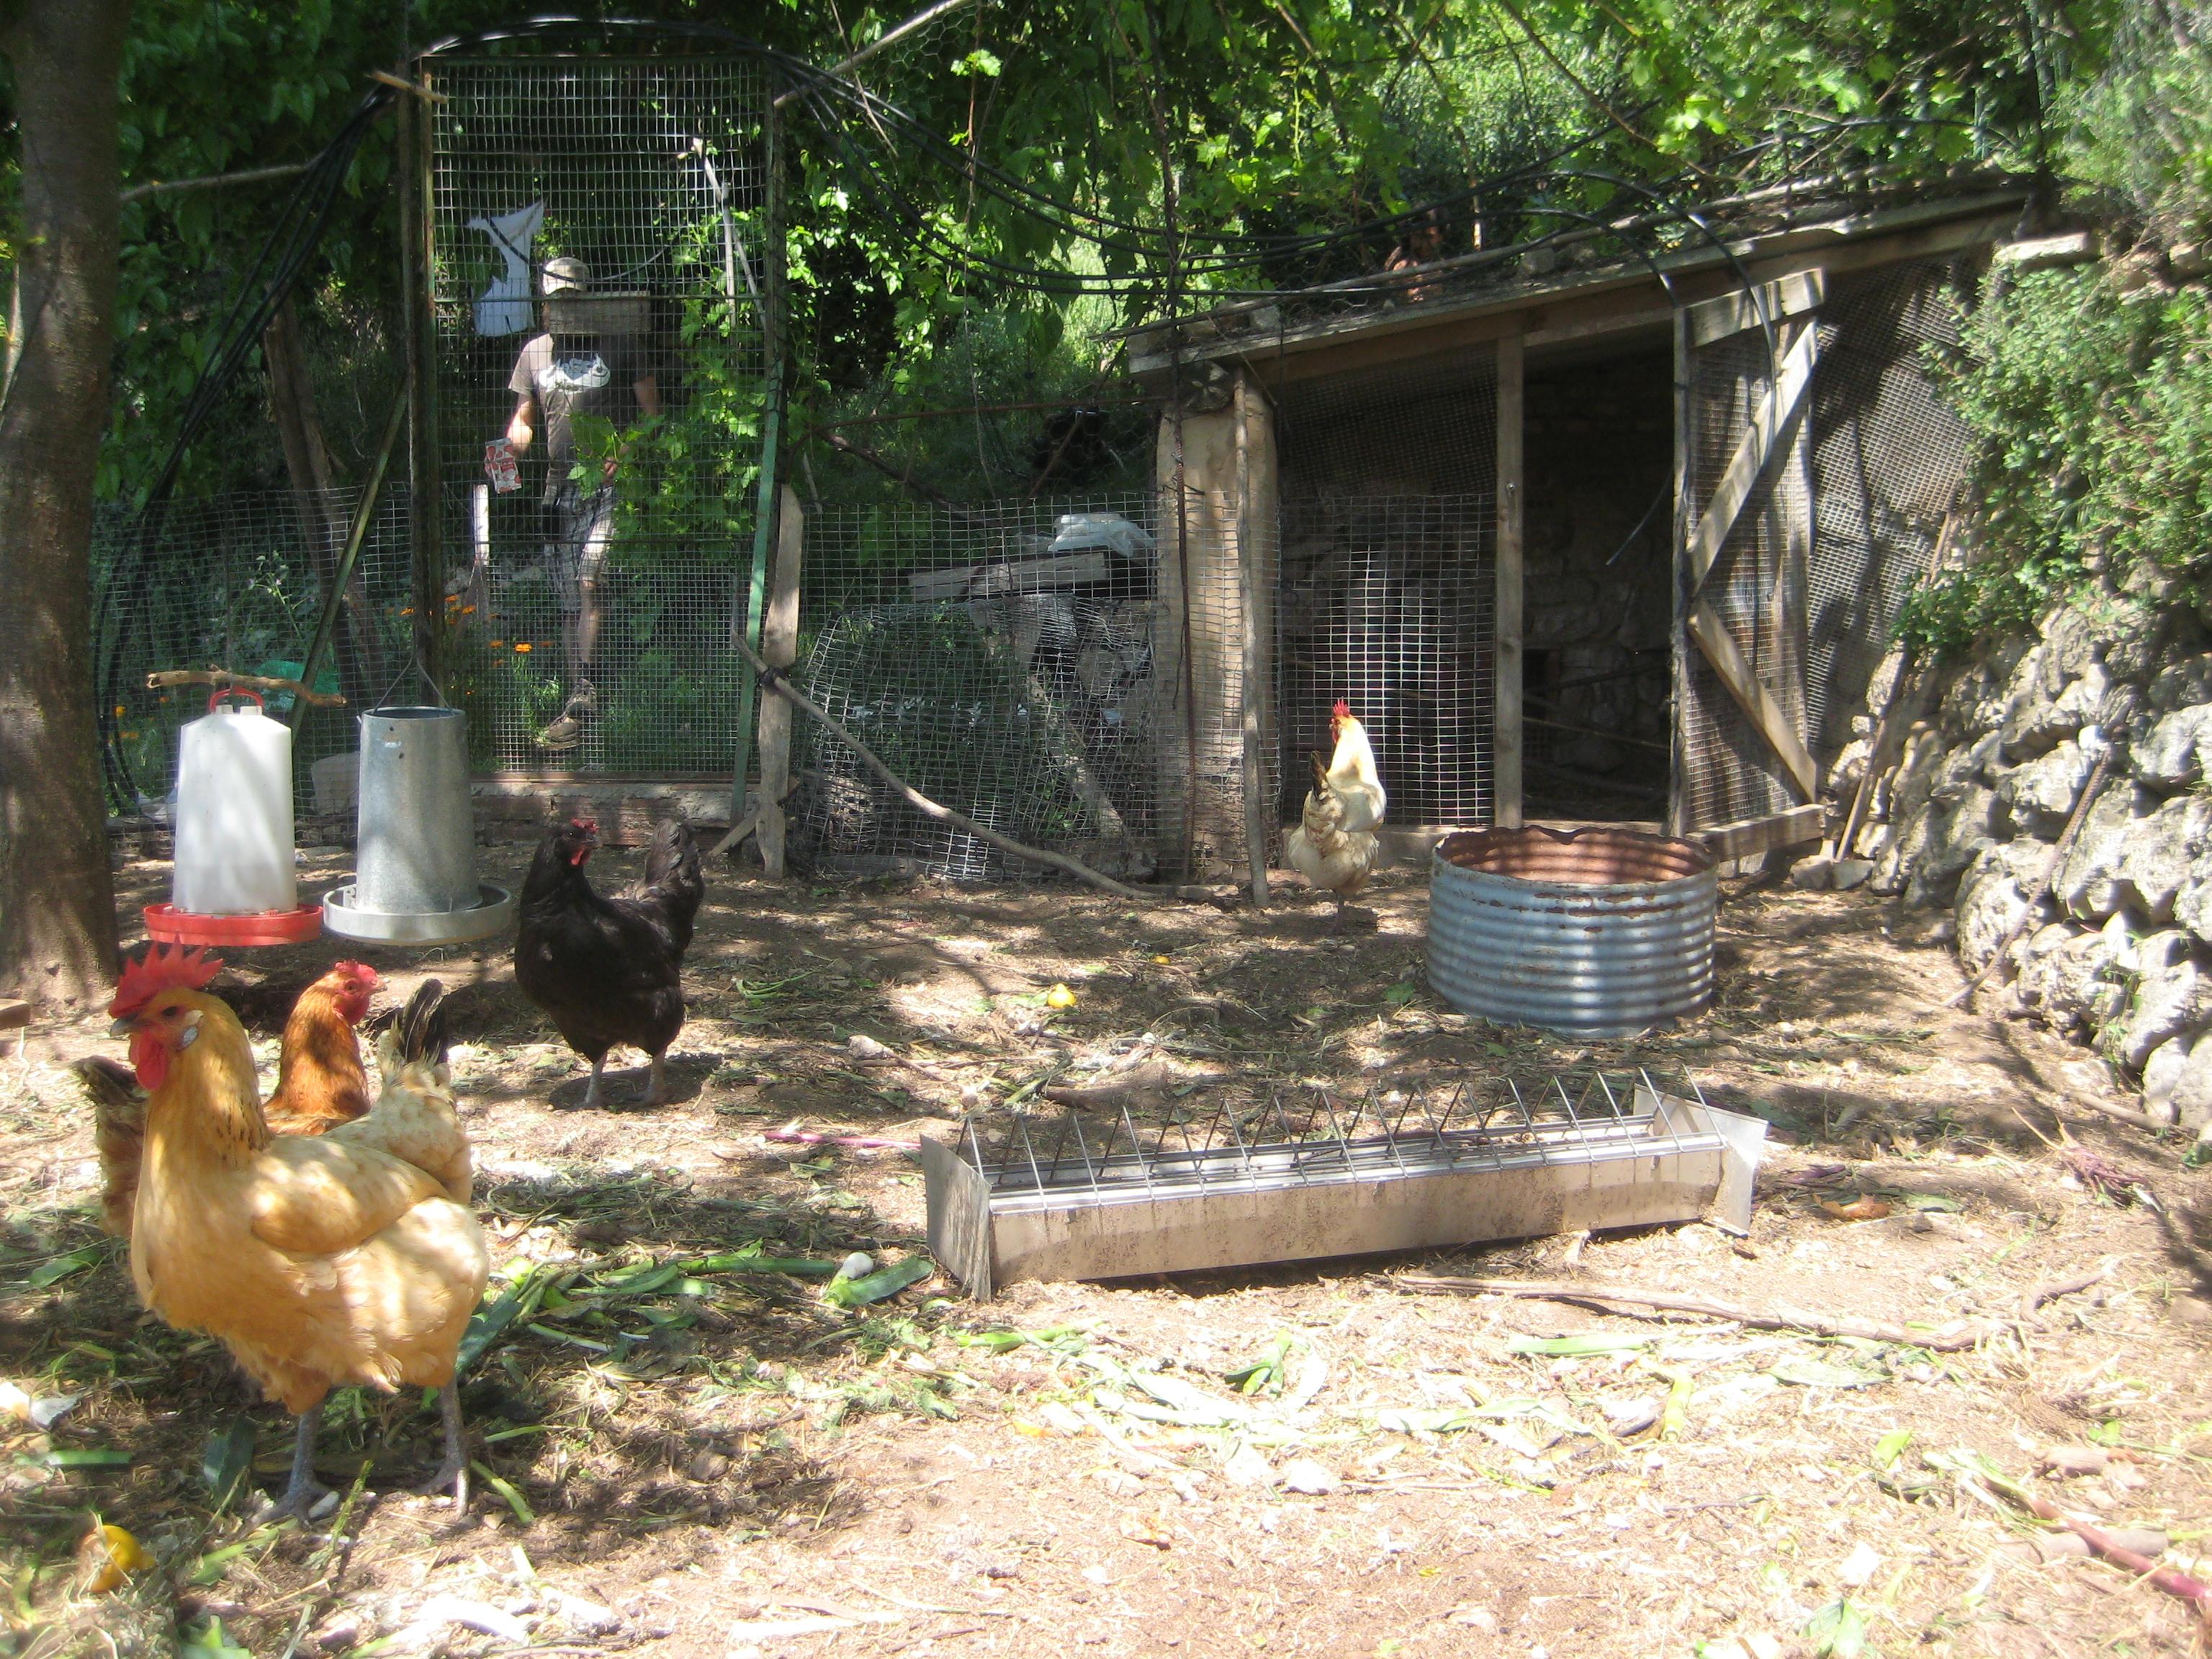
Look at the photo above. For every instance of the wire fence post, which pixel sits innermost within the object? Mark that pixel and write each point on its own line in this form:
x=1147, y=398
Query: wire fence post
x=416, y=219
x=770, y=497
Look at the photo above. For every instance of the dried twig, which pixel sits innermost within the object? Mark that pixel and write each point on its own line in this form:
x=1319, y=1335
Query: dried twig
x=2050, y=1292
x=1629, y=1301
x=2171, y=1580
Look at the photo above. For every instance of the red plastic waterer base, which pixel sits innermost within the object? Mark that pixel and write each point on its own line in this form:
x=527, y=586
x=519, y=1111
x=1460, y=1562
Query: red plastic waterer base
x=174, y=926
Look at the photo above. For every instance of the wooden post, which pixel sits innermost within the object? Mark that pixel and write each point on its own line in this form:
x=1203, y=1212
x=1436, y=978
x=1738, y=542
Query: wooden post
x=1677, y=560
x=416, y=217
x=1256, y=530
x=1505, y=762
x=780, y=649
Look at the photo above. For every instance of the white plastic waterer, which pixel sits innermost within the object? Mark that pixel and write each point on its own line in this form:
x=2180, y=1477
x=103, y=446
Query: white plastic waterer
x=416, y=881
x=234, y=881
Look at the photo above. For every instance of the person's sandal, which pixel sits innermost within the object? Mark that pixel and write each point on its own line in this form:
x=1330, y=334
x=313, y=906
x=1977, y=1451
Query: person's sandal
x=567, y=730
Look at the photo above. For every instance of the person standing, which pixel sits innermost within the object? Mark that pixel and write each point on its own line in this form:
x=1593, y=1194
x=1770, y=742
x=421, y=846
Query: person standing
x=557, y=379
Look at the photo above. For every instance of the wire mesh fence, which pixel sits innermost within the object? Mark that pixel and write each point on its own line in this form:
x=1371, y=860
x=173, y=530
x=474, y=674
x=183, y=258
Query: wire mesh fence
x=1388, y=590
x=1000, y=658
x=600, y=285
x=238, y=581
x=1889, y=457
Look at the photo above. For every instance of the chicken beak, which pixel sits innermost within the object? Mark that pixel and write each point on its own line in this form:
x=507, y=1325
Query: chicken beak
x=122, y=1028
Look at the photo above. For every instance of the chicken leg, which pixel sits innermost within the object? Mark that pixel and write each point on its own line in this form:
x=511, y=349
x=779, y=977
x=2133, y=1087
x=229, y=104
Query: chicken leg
x=303, y=1492
x=592, y=1089
x=655, y=1093
x=453, y=1474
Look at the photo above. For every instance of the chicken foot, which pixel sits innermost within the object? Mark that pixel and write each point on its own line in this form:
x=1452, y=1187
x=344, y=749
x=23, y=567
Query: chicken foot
x=303, y=1492
x=452, y=1473
x=655, y=1091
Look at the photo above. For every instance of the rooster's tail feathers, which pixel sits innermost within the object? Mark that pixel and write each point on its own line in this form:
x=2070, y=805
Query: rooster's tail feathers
x=118, y=1120
x=423, y=1033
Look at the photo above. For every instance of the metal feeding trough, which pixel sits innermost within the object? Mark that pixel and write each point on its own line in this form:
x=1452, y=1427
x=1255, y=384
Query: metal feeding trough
x=1311, y=1175
x=417, y=884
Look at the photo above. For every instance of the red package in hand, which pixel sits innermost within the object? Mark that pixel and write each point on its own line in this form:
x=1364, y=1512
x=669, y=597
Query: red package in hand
x=501, y=467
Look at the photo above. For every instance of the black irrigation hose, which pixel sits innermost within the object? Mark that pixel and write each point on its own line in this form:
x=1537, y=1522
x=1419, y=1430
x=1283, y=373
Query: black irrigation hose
x=275, y=269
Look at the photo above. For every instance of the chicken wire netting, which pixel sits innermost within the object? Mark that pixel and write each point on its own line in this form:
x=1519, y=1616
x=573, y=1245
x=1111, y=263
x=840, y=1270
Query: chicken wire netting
x=1755, y=588
x=598, y=253
x=1000, y=658
x=238, y=581
x=1889, y=456
x=1388, y=590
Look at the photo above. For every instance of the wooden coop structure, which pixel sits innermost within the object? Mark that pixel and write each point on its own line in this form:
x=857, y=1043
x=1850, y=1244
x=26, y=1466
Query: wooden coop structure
x=1610, y=542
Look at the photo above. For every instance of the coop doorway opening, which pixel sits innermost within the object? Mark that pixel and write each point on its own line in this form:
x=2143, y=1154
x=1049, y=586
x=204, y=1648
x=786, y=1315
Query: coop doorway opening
x=1598, y=593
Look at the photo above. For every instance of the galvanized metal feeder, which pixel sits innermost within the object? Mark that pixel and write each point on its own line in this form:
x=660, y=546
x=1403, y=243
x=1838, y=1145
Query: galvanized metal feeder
x=417, y=884
x=1305, y=1177
x=1599, y=933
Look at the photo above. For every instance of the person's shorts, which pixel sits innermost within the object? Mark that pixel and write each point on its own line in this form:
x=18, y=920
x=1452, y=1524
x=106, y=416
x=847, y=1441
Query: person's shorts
x=579, y=526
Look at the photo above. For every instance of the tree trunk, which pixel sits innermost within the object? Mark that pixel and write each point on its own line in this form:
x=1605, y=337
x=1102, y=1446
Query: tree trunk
x=56, y=901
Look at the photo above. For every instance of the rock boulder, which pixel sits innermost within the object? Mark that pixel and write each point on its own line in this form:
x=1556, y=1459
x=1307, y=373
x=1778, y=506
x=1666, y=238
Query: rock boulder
x=1993, y=894
x=2172, y=755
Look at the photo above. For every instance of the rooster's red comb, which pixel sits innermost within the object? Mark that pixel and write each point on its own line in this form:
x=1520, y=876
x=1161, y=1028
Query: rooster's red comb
x=359, y=971
x=1343, y=709
x=163, y=967
x=589, y=826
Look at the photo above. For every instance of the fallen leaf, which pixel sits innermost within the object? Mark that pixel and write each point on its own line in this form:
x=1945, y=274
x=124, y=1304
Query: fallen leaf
x=109, y=1555
x=1859, y=1209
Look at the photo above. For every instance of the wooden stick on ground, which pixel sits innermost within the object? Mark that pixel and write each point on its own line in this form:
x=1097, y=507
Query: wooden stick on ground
x=1878, y=752
x=2172, y=1581
x=1629, y=1301
x=2080, y=817
x=921, y=803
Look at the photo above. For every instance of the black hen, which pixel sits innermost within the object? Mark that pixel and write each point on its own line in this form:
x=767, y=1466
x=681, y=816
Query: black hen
x=610, y=970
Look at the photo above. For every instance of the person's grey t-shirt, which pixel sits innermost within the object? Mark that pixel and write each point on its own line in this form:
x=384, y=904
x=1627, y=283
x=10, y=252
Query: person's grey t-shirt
x=578, y=374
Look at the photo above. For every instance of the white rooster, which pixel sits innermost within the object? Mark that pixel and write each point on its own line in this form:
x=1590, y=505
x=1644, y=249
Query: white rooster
x=1335, y=844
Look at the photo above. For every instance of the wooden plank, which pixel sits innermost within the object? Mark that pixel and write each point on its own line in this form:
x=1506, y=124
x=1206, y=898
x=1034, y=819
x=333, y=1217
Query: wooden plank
x=1758, y=307
x=1505, y=760
x=1853, y=243
x=1771, y=417
x=1037, y=575
x=1713, y=639
x=1748, y=837
x=779, y=648
x=15, y=1014
x=1678, y=780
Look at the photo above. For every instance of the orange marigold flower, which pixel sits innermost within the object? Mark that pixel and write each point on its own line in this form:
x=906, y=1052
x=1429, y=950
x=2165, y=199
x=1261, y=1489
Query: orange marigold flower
x=499, y=645
x=525, y=646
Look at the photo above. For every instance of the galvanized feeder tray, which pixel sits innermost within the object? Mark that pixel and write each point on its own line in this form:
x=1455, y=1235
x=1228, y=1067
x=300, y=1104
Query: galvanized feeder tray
x=1312, y=1175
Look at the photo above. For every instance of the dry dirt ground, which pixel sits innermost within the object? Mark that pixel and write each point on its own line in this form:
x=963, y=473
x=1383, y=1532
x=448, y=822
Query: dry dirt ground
x=706, y=1460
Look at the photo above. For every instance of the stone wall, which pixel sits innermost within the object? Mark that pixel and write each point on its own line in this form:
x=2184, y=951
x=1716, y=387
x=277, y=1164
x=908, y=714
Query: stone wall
x=1995, y=758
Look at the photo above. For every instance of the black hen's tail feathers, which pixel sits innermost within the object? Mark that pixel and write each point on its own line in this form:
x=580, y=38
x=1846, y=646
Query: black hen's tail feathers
x=673, y=882
x=423, y=1033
